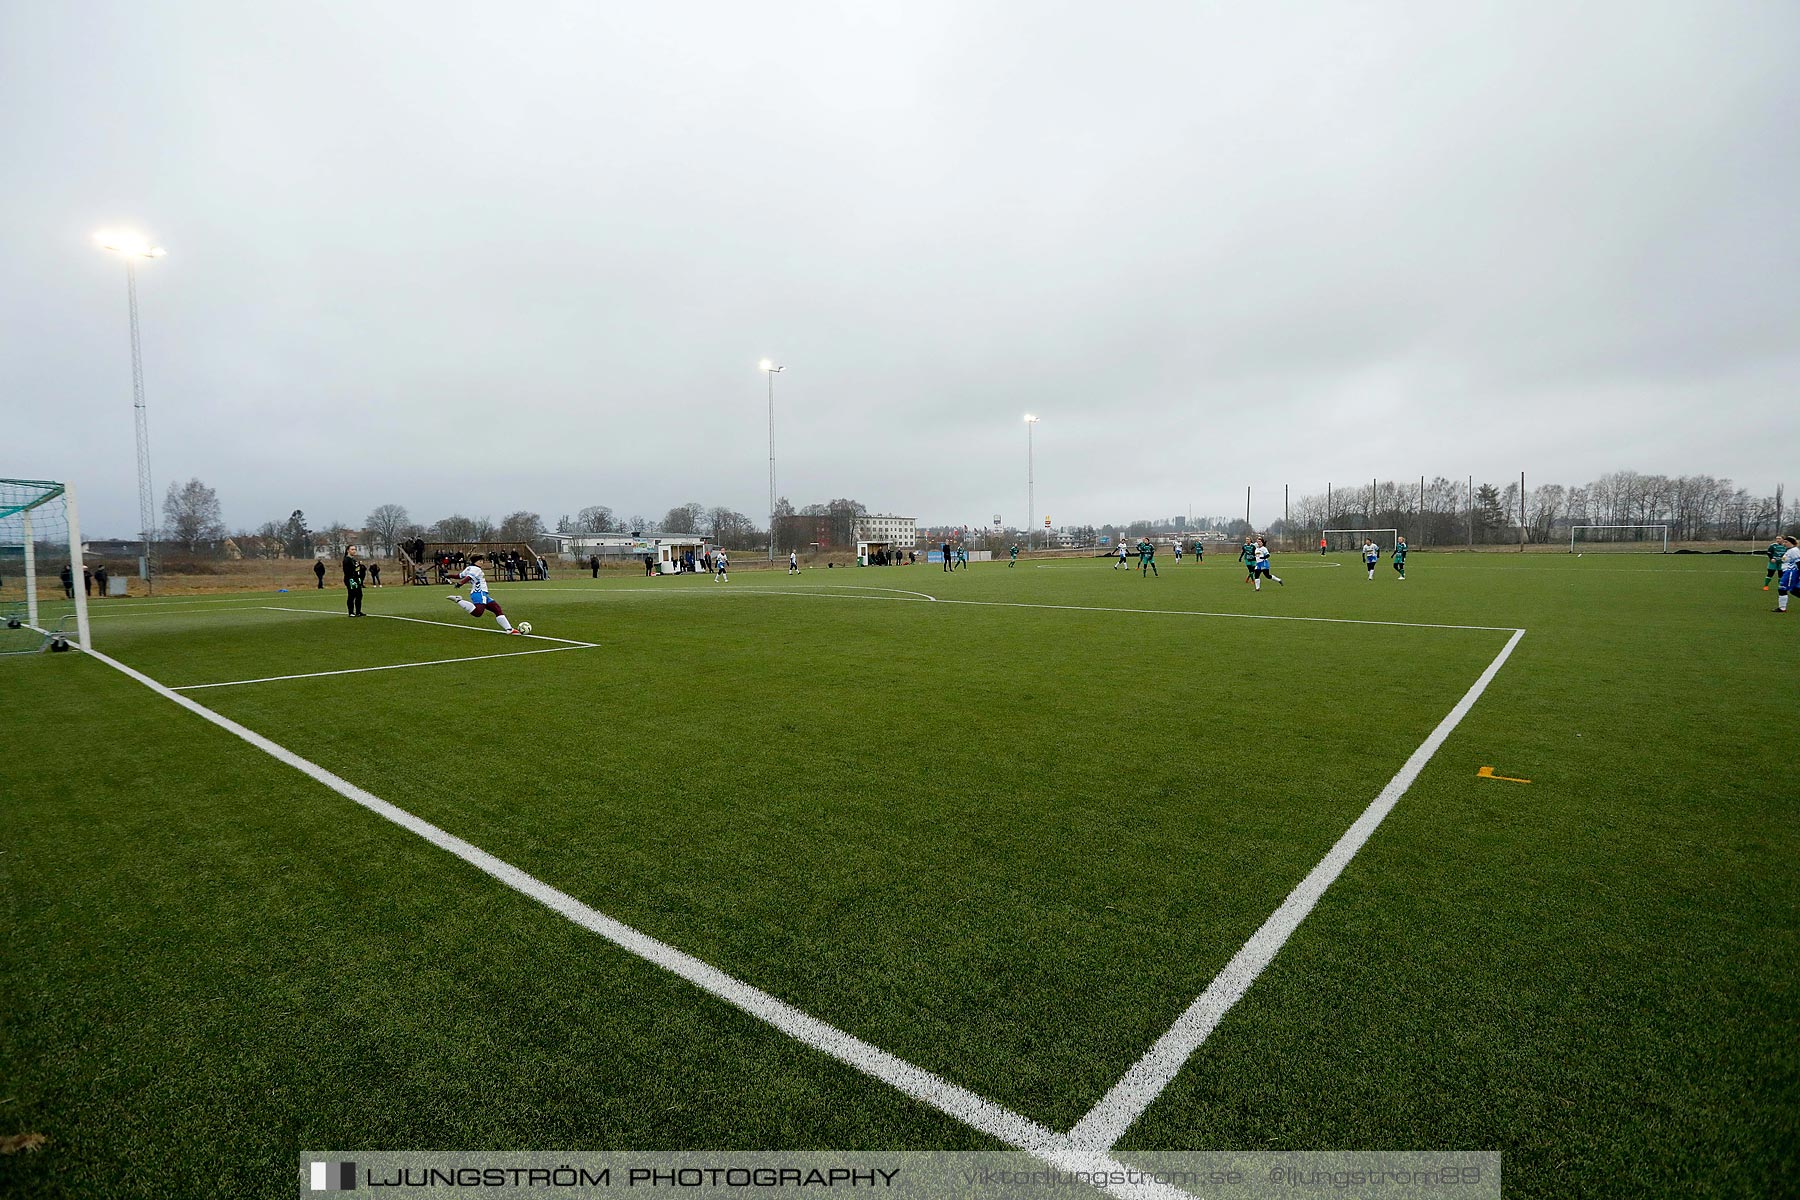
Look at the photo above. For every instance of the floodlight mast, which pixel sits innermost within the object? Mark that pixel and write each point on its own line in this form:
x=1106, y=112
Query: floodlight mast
x=132, y=248
x=769, y=368
x=1030, y=479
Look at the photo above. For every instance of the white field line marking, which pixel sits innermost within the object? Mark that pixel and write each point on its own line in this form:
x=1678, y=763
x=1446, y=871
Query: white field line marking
x=534, y=637
x=1161, y=612
x=436, y=662
x=120, y=610
x=1108, y=1120
x=149, y=602
x=857, y=587
x=1286, y=566
x=921, y=1085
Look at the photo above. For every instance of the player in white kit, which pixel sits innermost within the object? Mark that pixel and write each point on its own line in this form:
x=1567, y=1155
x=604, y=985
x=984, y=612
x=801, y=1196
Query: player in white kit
x=793, y=562
x=1789, y=583
x=1261, y=570
x=1371, y=555
x=479, y=601
x=721, y=561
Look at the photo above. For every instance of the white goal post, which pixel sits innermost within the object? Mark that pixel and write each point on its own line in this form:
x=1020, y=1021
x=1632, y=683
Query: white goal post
x=1656, y=534
x=1353, y=538
x=43, y=586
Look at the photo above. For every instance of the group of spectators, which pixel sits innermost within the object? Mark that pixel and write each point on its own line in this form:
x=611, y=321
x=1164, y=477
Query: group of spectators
x=89, y=577
x=893, y=558
x=510, y=566
x=688, y=563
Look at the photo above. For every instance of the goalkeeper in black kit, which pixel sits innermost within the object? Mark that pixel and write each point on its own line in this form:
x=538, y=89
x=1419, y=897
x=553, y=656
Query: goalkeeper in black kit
x=353, y=582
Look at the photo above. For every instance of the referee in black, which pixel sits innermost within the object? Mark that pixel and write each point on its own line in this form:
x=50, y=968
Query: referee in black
x=353, y=582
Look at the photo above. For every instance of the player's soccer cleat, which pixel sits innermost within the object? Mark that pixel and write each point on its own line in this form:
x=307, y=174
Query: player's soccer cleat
x=516, y=631
x=1765, y=587
x=453, y=599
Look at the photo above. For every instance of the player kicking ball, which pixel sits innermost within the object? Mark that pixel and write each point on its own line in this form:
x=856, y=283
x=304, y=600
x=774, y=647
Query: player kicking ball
x=479, y=601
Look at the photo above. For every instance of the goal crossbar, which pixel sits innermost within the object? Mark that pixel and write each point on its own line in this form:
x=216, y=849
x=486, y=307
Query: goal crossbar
x=1661, y=533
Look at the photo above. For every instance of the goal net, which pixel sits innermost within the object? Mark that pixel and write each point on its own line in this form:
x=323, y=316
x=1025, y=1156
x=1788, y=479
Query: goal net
x=1351, y=540
x=1643, y=539
x=43, y=600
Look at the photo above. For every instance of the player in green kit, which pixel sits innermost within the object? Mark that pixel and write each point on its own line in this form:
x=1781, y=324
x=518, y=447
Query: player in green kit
x=1147, y=558
x=1400, y=559
x=1199, y=551
x=1777, y=548
x=1247, y=556
x=1014, y=551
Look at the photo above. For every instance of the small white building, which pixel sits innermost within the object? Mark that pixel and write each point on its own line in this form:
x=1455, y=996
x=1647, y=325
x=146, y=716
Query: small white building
x=670, y=550
x=898, y=533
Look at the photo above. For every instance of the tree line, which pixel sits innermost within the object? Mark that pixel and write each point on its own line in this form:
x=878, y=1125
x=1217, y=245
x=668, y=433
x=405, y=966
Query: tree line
x=1441, y=511
x=1446, y=512
x=193, y=519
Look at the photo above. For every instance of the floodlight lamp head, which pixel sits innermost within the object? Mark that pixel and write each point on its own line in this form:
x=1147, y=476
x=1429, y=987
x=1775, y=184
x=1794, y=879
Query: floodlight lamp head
x=131, y=245
x=1030, y=420
x=769, y=366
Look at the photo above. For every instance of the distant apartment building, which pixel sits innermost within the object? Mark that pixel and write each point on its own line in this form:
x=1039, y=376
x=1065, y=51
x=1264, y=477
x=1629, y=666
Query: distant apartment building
x=895, y=531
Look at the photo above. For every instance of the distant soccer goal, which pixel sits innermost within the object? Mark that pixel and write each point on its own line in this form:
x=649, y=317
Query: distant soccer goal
x=43, y=586
x=1352, y=539
x=1642, y=539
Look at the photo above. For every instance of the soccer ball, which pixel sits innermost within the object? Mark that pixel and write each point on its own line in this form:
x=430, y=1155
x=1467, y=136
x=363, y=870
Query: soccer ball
x=525, y=627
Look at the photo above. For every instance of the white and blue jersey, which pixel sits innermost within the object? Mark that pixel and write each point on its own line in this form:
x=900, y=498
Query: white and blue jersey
x=476, y=578
x=1790, y=571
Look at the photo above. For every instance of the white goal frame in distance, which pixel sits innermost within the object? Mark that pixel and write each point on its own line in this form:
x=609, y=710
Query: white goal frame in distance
x=1326, y=533
x=1574, y=529
x=53, y=490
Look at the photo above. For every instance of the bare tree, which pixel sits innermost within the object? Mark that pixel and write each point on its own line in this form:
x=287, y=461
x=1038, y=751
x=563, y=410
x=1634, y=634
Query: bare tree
x=521, y=526
x=732, y=529
x=192, y=512
x=271, y=539
x=595, y=518
x=684, y=518
x=385, y=524
x=458, y=528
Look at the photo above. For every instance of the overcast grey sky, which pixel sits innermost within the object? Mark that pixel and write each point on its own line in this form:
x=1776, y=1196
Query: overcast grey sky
x=486, y=257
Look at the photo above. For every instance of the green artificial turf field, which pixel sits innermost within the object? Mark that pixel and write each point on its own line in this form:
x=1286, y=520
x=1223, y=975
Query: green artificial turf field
x=1007, y=840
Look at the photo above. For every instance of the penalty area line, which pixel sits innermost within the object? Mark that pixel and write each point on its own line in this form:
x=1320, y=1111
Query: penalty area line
x=535, y=637
x=435, y=662
x=1101, y=608
x=1108, y=1120
x=973, y=1110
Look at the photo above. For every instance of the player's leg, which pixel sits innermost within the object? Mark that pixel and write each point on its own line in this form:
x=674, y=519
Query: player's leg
x=500, y=618
x=466, y=605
